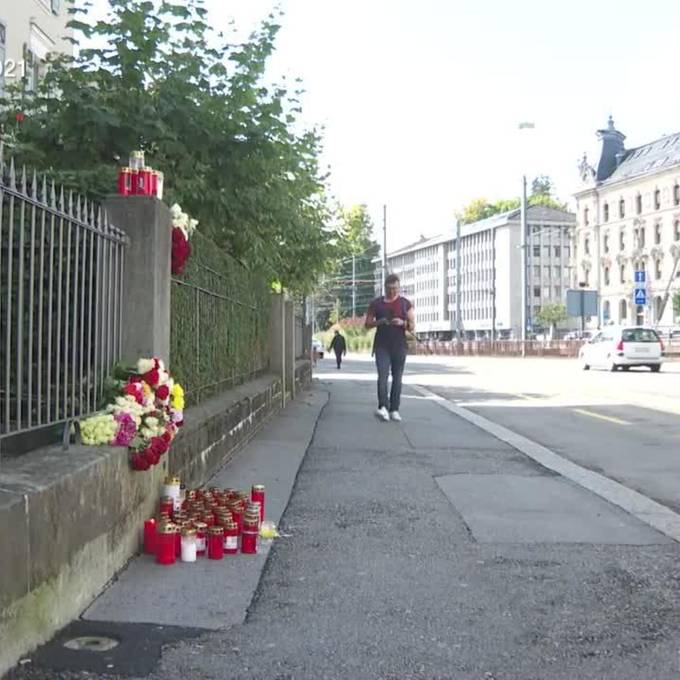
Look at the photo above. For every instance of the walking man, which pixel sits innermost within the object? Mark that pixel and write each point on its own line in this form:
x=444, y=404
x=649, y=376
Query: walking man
x=391, y=315
x=339, y=346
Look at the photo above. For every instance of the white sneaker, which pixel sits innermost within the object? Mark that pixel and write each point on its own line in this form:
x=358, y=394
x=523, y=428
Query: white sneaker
x=382, y=414
x=395, y=416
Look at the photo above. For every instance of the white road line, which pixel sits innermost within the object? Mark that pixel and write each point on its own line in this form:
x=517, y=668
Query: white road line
x=650, y=512
x=609, y=419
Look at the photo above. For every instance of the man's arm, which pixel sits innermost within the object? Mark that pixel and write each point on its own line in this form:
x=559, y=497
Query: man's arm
x=370, y=317
x=410, y=320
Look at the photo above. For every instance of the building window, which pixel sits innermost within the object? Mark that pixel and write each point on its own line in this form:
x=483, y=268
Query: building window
x=586, y=218
x=622, y=208
x=606, y=310
x=56, y=6
x=606, y=276
x=586, y=277
x=586, y=246
x=622, y=240
x=558, y=251
x=623, y=310
x=537, y=270
x=537, y=251
x=657, y=269
x=605, y=212
x=546, y=292
x=676, y=230
x=642, y=237
x=676, y=194
x=605, y=243
x=638, y=204
x=657, y=199
x=558, y=292
x=657, y=234
x=546, y=272
x=537, y=291
x=623, y=273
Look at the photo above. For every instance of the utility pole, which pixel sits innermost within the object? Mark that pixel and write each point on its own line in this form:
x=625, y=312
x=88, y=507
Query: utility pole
x=459, y=319
x=523, y=247
x=384, y=245
x=354, y=285
x=493, y=285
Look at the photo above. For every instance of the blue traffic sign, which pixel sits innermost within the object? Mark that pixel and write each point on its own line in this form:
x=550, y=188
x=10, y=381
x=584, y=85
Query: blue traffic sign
x=640, y=276
x=640, y=296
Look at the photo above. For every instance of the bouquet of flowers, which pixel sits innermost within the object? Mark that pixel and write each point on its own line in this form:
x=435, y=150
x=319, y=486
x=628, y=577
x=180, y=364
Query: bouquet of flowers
x=183, y=228
x=143, y=413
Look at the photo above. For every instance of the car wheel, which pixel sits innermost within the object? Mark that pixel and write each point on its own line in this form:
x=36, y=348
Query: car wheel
x=626, y=368
x=655, y=368
x=614, y=367
x=586, y=367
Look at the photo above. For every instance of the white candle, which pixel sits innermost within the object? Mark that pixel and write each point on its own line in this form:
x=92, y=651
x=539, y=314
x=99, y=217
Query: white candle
x=189, y=547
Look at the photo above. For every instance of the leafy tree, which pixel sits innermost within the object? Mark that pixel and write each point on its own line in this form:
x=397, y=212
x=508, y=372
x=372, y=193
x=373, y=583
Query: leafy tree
x=233, y=150
x=480, y=208
x=676, y=304
x=551, y=315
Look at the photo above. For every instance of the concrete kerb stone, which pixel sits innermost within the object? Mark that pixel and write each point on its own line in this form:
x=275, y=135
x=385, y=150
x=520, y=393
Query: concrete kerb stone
x=645, y=509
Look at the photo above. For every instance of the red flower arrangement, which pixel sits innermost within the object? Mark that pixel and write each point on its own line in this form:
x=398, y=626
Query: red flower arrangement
x=181, y=249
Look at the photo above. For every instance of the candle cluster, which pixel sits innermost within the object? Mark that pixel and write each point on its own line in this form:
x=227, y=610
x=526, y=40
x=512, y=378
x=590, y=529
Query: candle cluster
x=199, y=522
x=138, y=179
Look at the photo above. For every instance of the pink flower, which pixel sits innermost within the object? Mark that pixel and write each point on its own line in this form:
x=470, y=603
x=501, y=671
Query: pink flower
x=127, y=429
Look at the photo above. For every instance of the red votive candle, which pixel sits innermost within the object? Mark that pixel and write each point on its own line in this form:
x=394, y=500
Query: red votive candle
x=215, y=543
x=165, y=544
x=257, y=496
x=150, y=536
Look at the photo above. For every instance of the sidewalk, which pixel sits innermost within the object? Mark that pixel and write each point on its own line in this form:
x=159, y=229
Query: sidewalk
x=427, y=549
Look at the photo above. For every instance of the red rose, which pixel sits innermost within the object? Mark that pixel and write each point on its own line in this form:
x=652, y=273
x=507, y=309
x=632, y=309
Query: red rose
x=152, y=456
x=167, y=437
x=159, y=444
x=151, y=377
x=180, y=424
x=20, y=117
x=181, y=249
x=156, y=363
x=163, y=392
x=139, y=462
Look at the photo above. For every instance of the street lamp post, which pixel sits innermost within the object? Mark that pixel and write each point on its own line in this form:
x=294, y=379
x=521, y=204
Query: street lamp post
x=524, y=248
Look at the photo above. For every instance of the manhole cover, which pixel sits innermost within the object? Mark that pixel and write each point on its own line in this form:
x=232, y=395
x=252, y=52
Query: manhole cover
x=91, y=643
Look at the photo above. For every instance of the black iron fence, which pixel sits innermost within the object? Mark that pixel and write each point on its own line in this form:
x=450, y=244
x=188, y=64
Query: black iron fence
x=61, y=279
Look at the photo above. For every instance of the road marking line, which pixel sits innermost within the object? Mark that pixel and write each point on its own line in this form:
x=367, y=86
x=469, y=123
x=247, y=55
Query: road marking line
x=610, y=419
x=650, y=512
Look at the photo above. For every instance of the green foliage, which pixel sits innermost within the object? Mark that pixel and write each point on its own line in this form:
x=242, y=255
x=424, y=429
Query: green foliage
x=233, y=150
x=676, y=304
x=480, y=208
x=551, y=315
x=219, y=322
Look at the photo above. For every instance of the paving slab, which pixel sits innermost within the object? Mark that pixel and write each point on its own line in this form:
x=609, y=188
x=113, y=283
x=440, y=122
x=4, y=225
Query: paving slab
x=502, y=508
x=216, y=594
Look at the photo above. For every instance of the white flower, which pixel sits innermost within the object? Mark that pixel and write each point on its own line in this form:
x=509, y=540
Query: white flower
x=151, y=422
x=145, y=365
x=192, y=226
x=175, y=211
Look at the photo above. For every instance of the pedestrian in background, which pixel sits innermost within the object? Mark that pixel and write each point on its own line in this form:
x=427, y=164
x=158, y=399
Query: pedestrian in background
x=339, y=346
x=391, y=315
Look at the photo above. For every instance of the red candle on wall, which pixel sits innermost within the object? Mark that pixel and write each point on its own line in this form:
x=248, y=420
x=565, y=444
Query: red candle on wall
x=150, y=536
x=165, y=544
x=125, y=181
x=257, y=496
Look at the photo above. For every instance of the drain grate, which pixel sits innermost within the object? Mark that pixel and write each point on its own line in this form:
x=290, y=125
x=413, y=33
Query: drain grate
x=91, y=643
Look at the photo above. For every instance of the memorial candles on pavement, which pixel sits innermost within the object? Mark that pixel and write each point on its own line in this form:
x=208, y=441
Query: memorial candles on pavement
x=230, y=537
x=165, y=544
x=150, y=536
x=189, y=547
x=257, y=496
x=201, y=538
x=171, y=488
x=249, y=534
x=167, y=505
x=215, y=542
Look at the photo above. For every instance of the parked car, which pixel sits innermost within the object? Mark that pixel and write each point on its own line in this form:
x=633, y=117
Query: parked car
x=317, y=346
x=617, y=347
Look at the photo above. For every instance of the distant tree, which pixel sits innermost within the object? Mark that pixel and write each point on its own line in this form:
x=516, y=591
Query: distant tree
x=551, y=315
x=676, y=304
x=542, y=189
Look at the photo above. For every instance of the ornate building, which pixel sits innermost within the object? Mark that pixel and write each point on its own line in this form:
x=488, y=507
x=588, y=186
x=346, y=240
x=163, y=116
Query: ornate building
x=628, y=220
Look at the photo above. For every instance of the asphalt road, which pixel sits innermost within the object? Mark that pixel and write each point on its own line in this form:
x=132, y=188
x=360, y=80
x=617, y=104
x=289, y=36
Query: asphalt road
x=430, y=549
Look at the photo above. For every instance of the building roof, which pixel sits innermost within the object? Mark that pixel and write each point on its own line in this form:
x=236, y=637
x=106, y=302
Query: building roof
x=648, y=158
x=536, y=214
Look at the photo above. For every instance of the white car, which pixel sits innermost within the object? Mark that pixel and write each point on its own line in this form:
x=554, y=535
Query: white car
x=617, y=347
x=317, y=346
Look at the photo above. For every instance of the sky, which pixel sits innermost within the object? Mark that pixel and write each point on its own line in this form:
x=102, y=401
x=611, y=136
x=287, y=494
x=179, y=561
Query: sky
x=421, y=100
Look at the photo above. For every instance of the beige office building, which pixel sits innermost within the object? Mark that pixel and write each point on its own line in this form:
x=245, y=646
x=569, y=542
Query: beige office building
x=628, y=211
x=29, y=31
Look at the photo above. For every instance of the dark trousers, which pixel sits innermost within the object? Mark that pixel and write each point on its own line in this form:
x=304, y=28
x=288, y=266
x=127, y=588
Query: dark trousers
x=338, y=358
x=390, y=360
